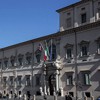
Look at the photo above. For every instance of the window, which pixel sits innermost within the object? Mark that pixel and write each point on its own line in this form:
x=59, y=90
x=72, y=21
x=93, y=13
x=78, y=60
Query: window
x=68, y=22
x=84, y=46
x=68, y=50
x=98, y=47
x=4, y=81
x=6, y=63
x=69, y=53
x=12, y=62
x=38, y=79
x=38, y=55
x=19, y=80
x=52, y=52
x=0, y=64
x=83, y=18
x=28, y=58
x=86, y=78
x=84, y=50
x=20, y=61
x=11, y=80
x=69, y=79
x=28, y=81
x=99, y=13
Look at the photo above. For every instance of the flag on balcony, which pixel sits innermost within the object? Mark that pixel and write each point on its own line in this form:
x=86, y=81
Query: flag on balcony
x=46, y=52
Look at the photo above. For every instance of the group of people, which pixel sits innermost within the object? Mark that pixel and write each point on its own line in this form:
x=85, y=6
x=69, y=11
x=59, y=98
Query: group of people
x=15, y=96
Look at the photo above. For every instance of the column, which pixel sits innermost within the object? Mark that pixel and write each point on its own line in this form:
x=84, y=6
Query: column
x=44, y=73
x=57, y=84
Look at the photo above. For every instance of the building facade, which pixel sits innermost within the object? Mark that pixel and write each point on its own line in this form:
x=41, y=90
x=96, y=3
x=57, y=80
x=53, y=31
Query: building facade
x=73, y=61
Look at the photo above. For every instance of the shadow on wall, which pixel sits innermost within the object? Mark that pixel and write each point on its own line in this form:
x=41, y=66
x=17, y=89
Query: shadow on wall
x=95, y=77
x=66, y=88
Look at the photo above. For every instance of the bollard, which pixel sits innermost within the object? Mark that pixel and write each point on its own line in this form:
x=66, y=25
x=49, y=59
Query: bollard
x=48, y=91
x=61, y=90
x=85, y=98
x=55, y=97
x=41, y=91
x=92, y=98
x=34, y=97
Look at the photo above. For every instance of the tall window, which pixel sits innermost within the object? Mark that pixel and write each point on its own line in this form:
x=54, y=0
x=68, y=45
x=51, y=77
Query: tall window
x=52, y=52
x=86, y=78
x=38, y=79
x=38, y=54
x=84, y=50
x=28, y=58
x=68, y=49
x=69, y=53
x=4, y=81
x=83, y=18
x=11, y=80
x=19, y=80
x=68, y=22
x=98, y=45
x=99, y=13
x=6, y=63
x=0, y=64
x=12, y=62
x=28, y=81
x=20, y=61
x=69, y=78
x=84, y=47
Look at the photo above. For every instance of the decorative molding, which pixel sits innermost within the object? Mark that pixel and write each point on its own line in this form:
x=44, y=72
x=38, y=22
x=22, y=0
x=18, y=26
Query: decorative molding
x=68, y=45
x=84, y=42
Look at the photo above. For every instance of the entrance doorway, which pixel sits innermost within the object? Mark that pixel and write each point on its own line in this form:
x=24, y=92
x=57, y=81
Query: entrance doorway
x=52, y=83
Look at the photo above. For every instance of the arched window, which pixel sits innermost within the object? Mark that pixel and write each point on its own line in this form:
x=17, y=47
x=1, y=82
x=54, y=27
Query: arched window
x=52, y=52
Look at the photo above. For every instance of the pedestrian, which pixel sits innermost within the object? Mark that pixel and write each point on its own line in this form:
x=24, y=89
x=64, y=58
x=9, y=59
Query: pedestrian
x=68, y=97
x=7, y=95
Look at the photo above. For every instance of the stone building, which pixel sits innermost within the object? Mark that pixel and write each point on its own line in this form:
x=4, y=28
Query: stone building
x=73, y=62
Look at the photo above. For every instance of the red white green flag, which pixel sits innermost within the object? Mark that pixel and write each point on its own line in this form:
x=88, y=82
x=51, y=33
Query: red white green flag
x=46, y=53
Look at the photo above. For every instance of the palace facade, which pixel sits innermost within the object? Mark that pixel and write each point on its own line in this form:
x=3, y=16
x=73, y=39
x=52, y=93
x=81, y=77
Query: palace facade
x=73, y=62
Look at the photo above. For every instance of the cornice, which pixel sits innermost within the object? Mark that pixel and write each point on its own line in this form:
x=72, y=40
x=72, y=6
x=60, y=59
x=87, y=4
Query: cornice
x=72, y=5
x=55, y=35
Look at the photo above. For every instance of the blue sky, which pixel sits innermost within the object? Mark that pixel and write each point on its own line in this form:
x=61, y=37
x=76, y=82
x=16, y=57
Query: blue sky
x=22, y=20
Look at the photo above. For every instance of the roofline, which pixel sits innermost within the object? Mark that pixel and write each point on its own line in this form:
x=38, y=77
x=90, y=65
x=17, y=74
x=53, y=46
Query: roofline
x=72, y=5
x=54, y=35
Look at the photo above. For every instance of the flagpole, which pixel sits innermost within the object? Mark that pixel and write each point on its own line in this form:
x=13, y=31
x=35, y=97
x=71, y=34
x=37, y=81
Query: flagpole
x=32, y=64
x=51, y=51
x=76, y=68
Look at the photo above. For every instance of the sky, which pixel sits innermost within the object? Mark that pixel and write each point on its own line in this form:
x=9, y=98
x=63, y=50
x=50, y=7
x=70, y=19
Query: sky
x=23, y=20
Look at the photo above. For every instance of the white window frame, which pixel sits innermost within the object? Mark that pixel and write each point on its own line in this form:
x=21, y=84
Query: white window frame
x=69, y=81
x=84, y=44
x=81, y=18
x=19, y=82
x=86, y=78
x=28, y=80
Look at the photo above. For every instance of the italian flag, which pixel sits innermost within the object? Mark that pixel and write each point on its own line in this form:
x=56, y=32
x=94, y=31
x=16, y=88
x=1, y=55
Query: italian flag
x=46, y=53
